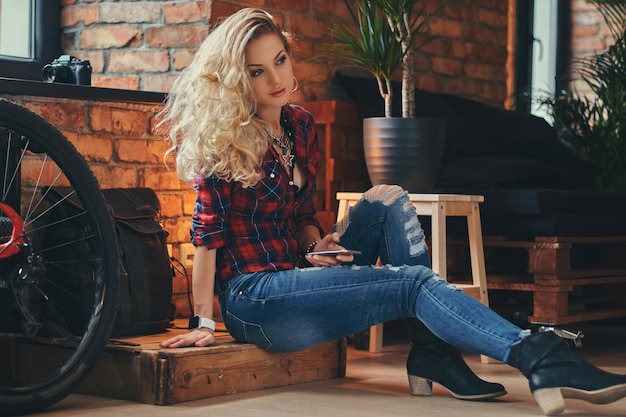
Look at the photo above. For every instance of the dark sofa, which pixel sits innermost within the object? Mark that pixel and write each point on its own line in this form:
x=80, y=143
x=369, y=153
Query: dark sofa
x=533, y=185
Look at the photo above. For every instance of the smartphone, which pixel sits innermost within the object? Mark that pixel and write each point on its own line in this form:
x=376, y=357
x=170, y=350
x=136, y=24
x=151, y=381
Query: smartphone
x=336, y=252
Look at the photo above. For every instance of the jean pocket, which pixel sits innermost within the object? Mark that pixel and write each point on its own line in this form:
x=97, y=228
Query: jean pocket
x=244, y=331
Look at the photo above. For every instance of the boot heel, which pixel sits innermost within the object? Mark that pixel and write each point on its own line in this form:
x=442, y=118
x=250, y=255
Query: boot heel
x=420, y=387
x=550, y=400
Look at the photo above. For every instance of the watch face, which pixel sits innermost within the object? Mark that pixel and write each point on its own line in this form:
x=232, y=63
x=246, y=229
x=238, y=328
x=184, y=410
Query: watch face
x=194, y=322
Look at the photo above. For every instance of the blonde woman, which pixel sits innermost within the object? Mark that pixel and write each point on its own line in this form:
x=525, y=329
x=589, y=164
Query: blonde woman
x=252, y=158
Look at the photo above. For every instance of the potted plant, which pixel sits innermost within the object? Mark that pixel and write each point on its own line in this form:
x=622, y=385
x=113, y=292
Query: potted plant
x=590, y=119
x=381, y=35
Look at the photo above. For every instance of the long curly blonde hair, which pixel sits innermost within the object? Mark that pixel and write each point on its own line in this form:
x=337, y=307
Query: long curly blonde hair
x=209, y=112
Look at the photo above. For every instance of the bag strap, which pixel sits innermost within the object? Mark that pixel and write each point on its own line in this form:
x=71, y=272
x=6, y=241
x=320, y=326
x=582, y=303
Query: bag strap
x=133, y=203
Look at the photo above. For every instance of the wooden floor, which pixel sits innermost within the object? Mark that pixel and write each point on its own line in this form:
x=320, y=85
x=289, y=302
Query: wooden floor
x=376, y=385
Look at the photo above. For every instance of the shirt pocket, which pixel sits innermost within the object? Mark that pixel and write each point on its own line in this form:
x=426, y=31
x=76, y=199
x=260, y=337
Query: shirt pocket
x=272, y=190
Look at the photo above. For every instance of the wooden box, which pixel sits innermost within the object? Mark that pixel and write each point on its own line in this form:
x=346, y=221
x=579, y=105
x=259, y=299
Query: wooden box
x=138, y=369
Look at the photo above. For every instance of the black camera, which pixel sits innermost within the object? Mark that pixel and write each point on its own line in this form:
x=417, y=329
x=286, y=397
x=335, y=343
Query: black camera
x=67, y=69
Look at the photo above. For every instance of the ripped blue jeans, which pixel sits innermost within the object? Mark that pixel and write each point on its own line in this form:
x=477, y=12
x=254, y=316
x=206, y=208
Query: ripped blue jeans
x=294, y=309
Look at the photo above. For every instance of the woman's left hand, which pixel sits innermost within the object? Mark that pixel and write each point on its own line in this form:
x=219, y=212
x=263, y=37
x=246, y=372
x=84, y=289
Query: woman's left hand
x=328, y=242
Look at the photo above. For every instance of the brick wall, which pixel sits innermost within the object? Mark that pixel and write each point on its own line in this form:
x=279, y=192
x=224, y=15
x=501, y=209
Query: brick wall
x=589, y=32
x=590, y=35
x=115, y=138
x=142, y=45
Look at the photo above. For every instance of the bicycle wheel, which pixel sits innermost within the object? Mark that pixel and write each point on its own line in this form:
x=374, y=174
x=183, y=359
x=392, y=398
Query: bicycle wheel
x=59, y=264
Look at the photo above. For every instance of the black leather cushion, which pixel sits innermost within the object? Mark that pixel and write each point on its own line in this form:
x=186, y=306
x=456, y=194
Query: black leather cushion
x=516, y=133
x=485, y=146
x=503, y=172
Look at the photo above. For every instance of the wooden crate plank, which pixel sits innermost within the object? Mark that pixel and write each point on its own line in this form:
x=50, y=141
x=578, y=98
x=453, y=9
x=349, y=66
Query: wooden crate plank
x=577, y=318
x=556, y=281
x=198, y=374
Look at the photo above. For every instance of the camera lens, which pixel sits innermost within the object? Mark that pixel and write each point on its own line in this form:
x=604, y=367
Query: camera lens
x=52, y=73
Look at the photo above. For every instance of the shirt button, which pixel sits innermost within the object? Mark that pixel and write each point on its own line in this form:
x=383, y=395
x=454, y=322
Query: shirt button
x=290, y=182
x=272, y=175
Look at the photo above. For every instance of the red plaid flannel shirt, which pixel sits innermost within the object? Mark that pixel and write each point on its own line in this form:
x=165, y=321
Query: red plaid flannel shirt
x=254, y=228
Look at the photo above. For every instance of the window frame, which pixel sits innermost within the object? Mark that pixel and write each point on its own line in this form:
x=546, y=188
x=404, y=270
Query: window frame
x=46, y=43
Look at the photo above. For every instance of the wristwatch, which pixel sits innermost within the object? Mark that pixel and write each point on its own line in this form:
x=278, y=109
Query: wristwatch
x=198, y=322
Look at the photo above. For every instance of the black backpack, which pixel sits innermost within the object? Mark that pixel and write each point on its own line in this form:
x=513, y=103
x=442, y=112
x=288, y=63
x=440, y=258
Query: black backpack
x=145, y=297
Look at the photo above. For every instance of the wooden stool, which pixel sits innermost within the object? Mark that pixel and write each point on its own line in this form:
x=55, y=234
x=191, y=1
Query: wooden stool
x=439, y=206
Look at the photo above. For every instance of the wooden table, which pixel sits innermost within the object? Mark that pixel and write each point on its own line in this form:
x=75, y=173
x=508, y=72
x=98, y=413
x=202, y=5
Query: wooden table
x=440, y=206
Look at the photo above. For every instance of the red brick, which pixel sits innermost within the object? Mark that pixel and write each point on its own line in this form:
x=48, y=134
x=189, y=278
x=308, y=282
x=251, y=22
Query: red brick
x=182, y=58
x=480, y=34
x=110, y=37
x=72, y=16
x=588, y=46
x=428, y=82
x=308, y=26
x=176, y=36
x=125, y=82
x=191, y=11
x=95, y=58
x=94, y=148
x=220, y=9
x=171, y=205
x=307, y=71
x=62, y=115
x=189, y=202
x=454, y=86
x=447, y=66
x=445, y=27
x=461, y=13
x=485, y=53
x=481, y=71
x=130, y=13
x=159, y=178
x=124, y=61
x=32, y=173
x=119, y=121
x=291, y=5
x=178, y=229
x=140, y=151
x=115, y=176
x=493, y=19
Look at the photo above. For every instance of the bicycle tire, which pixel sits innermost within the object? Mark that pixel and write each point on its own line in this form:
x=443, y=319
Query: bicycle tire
x=36, y=307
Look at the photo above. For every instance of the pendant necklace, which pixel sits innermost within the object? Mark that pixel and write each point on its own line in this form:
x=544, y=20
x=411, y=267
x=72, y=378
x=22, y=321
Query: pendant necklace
x=286, y=146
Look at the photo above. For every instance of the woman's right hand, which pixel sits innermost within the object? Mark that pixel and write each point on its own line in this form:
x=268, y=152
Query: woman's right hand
x=196, y=338
x=328, y=242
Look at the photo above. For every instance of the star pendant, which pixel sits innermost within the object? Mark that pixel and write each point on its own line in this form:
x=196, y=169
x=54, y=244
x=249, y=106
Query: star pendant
x=287, y=160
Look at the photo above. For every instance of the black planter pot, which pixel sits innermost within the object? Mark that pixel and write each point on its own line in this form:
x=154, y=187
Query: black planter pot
x=404, y=151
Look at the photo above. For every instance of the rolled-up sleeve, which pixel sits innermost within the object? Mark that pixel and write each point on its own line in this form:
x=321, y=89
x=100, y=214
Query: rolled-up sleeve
x=208, y=224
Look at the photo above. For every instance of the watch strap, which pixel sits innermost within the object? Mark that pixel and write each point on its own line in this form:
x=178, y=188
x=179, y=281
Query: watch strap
x=198, y=322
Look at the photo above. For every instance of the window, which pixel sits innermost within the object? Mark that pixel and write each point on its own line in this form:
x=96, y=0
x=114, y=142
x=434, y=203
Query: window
x=15, y=38
x=30, y=37
x=541, y=51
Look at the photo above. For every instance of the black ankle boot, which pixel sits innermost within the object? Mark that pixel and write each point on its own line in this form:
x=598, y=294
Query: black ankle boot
x=433, y=360
x=555, y=372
